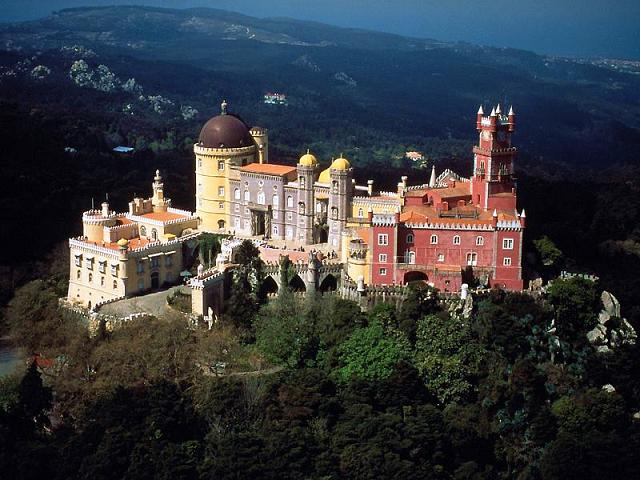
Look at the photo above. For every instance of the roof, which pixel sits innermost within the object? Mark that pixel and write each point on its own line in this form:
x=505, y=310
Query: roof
x=268, y=169
x=225, y=131
x=460, y=190
x=163, y=216
x=133, y=243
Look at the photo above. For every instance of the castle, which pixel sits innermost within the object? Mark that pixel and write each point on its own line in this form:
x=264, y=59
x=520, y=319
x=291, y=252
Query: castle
x=443, y=232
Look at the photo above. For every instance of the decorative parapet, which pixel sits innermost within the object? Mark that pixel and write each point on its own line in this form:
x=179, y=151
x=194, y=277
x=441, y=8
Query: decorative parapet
x=179, y=211
x=382, y=220
x=212, y=275
x=159, y=223
x=176, y=241
x=81, y=244
x=95, y=217
x=509, y=225
x=484, y=227
x=101, y=304
x=197, y=148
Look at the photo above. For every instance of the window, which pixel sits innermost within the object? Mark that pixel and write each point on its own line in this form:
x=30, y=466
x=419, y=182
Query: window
x=472, y=259
x=479, y=241
x=102, y=266
x=221, y=191
x=139, y=266
x=261, y=199
x=383, y=239
x=410, y=257
x=154, y=234
x=237, y=208
x=247, y=196
x=115, y=284
x=102, y=281
x=274, y=214
x=302, y=182
x=236, y=222
x=334, y=213
x=289, y=216
x=114, y=270
x=78, y=260
x=90, y=277
x=507, y=243
x=236, y=194
x=276, y=201
x=275, y=230
x=506, y=261
x=289, y=201
x=360, y=213
x=334, y=186
x=220, y=165
x=246, y=211
x=78, y=274
x=456, y=240
x=434, y=239
x=289, y=233
x=410, y=238
x=441, y=257
x=90, y=263
x=168, y=260
x=143, y=231
x=199, y=163
x=382, y=258
x=383, y=272
x=221, y=205
x=301, y=208
x=154, y=262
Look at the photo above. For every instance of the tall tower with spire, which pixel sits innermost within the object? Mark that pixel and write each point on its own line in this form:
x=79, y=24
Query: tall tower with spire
x=493, y=181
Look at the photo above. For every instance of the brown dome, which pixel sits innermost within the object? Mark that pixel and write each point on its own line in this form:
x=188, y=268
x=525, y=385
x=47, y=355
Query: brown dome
x=225, y=131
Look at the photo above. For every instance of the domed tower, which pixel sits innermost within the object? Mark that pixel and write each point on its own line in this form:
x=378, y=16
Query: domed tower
x=340, y=198
x=225, y=144
x=306, y=172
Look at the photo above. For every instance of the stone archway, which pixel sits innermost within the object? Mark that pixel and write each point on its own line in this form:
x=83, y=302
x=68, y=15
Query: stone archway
x=269, y=287
x=297, y=285
x=415, y=276
x=329, y=284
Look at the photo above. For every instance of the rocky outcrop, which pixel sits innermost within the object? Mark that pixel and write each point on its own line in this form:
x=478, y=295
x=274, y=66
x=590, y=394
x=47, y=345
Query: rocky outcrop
x=612, y=330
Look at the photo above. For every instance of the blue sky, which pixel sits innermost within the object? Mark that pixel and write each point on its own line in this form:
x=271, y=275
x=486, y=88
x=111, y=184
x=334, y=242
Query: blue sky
x=562, y=27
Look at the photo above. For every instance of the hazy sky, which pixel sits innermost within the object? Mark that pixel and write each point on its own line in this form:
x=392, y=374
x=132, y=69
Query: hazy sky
x=562, y=27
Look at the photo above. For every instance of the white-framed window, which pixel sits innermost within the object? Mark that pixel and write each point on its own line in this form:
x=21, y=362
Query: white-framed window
x=236, y=222
x=246, y=211
x=472, y=259
x=90, y=263
x=221, y=205
x=434, y=239
x=220, y=165
x=154, y=234
x=360, y=213
x=479, y=240
x=143, y=231
x=289, y=201
x=115, y=284
x=456, y=240
x=334, y=213
x=114, y=270
x=507, y=243
x=78, y=260
x=276, y=200
x=441, y=257
x=289, y=216
x=154, y=262
x=383, y=272
x=301, y=208
x=506, y=261
x=236, y=193
x=410, y=238
x=334, y=186
x=275, y=230
x=274, y=214
x=246, y=224
x=90, y=277
x=221, y=191
x=261, y=198
x=410, y=257
x=383, y=239
x=247, y=196
x=302, y=182
x=237, y=208
x=382, y=258
x=289, y=233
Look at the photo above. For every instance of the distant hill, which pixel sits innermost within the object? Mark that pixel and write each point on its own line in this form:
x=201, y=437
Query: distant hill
x=349, y=88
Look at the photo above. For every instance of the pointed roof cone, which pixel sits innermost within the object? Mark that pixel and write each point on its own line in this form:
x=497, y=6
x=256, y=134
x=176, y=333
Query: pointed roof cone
x=498, y=110
x=523, y=214
x=511, y=112
x=493, y=112
x=432, y=180
x=480, y=111
x=495, y=213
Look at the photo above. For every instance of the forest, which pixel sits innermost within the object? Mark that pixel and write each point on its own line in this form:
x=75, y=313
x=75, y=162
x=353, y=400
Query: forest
x=315, y=388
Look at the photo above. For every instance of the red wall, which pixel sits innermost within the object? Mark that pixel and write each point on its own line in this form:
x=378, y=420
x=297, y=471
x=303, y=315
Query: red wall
x=389, y=250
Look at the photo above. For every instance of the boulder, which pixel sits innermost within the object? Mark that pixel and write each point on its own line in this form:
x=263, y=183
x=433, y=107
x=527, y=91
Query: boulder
x=597, y=336
x=610, y=304
x=608, y=388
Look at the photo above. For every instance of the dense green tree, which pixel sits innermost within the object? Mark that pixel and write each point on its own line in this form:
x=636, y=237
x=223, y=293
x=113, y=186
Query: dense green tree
x=575, y=302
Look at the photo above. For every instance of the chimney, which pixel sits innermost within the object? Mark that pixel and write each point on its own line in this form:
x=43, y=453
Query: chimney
x=370, y=187
x=105, y=209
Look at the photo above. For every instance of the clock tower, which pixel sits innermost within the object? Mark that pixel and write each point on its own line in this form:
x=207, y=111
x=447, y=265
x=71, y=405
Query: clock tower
x=493, y=182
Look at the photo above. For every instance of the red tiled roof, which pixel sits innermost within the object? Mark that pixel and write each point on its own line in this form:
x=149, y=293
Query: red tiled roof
x=163, y=216
x=268, y=169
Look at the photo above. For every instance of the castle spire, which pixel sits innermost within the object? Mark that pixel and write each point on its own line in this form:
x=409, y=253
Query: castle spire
x=432, y=180
x=493, y=112
x=480, y=111
x=511, y=112
x=498, y=110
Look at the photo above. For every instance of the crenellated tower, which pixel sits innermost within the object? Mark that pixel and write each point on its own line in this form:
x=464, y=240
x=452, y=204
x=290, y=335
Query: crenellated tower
x=493, y=182
x=306, y=169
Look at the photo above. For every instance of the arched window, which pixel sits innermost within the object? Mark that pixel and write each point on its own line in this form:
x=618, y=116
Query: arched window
x=289, y=201
x=90, y=277
x=115, y=284
x=334, y=186
x=154, y=234
x=247, y=196
x=221, y=224
x=236, y=193
x=360, y=213
x=411, y=257
x=410, y=238
x=479, y=241
x=143, y=231
x=334, y=213
x=302, y=182
x=434, y=239
x=276, y=200
x=301, y=208
x=78, y=274
x=261, y=198
x=472, y=259
x=456, y=240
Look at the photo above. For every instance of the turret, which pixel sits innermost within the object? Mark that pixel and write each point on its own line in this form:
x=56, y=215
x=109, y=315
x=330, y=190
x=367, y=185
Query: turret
x=159, y=202
x=432, y=180
x=512, y=119
x=123, y=247
x=479, y=117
